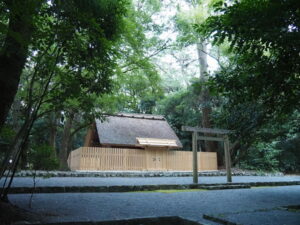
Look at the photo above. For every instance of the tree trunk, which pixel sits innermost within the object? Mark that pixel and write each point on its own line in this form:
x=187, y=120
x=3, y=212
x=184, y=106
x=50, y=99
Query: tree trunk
x=63, y=152
x=14, y=52
x=16, y=114
x=205, y=97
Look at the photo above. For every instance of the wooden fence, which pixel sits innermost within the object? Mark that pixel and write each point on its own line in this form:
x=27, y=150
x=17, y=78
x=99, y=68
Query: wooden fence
x=96, y=158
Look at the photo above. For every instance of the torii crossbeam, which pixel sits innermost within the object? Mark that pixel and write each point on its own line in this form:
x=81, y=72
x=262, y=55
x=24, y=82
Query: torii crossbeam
x=224, y=138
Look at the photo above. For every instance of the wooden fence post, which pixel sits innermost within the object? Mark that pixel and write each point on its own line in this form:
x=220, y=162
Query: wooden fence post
x=195, y=159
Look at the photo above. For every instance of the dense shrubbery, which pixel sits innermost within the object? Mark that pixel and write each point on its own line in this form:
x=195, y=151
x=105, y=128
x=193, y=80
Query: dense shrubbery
x=283, y=156
x=261, y=157
x=289, y=157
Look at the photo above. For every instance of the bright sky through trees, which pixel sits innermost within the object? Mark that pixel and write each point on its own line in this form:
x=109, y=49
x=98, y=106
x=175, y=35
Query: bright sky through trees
x=165, y=17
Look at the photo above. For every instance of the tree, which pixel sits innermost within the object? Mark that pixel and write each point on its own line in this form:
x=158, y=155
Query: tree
x=184, y=21
x=261, y=85
x=71, y=61
x=138, y=91
x=17, y=23
x=264, y=35
x=137, y=84
x=181, y=108
x=20, y=23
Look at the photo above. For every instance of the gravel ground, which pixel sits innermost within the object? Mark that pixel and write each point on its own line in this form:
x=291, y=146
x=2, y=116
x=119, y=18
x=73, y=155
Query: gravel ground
x=189, y=205
x=265, y=217
x=111, y=181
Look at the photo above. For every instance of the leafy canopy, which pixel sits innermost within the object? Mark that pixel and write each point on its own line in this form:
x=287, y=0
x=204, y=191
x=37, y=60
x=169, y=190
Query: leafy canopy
x=264, y=36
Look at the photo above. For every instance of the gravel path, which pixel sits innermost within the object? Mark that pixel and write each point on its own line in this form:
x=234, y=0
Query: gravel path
x=189, y=205
x=111, y=181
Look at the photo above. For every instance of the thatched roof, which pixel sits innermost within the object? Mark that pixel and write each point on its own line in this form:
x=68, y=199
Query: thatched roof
x=124, y=129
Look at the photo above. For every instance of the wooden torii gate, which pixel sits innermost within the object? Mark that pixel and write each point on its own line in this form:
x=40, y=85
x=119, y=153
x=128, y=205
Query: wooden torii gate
x=224, y=138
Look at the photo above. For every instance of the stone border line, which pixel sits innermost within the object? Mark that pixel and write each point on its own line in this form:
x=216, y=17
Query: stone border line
x=218, y=220
x=135, y=188
x=40, y=173
x=170, y=220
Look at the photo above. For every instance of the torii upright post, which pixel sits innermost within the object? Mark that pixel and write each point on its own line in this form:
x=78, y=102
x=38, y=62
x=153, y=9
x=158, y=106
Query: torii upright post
x=195, y=158
x=227, y=158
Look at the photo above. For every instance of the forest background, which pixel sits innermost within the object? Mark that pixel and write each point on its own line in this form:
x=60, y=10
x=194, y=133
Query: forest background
x=226, y=64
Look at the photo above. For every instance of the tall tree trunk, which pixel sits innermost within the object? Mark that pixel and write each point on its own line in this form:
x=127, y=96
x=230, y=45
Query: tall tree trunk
x=65, y=143
x=16, y=114
x=14, y=52
x=205, y=97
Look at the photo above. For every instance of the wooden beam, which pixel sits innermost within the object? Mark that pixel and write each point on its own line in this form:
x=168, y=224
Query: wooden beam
x=227, y=159
x=195, y=158
x=206, y=138
x=206, y=130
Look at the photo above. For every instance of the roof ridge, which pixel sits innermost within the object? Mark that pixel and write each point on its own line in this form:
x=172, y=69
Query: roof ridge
x=139, y=116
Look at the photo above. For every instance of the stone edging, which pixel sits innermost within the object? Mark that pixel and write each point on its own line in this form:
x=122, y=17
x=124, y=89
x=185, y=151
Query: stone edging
x=39, y=173
x=133, y=188
x=218, y=220
x=169, y=220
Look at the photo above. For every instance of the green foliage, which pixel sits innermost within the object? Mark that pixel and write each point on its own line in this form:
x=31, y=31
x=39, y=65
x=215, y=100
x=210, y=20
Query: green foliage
x=7, y=135
x=264, y=36
x=282, y=155
x=3, y=21
x=40, y=132
x=137, y=84
x=42, y=158
x=75, y=49
x=138, y=92
x=289, y=158
x=92, y=57
x=260, y=84
x=245, y=119
x=270, y=145
x=262, y=156
x=72, y=57
x=179, y=109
